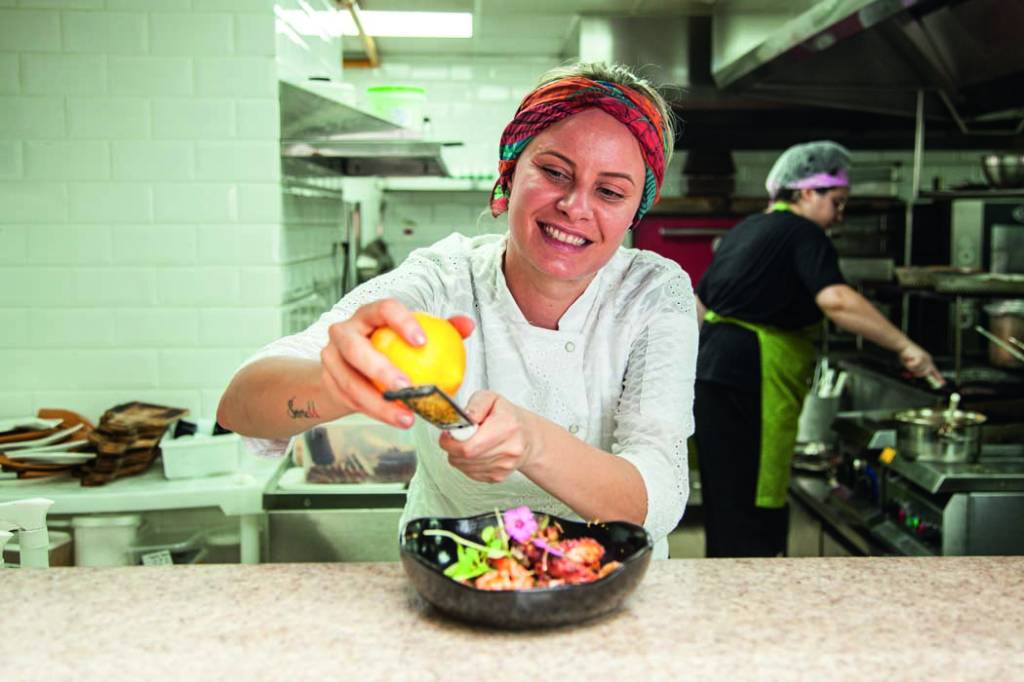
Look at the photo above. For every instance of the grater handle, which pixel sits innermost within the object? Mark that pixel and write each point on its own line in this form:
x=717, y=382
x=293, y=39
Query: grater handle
x=464, y=433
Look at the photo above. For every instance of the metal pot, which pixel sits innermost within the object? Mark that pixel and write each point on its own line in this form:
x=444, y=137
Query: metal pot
x=1004, y=170
x=1006, y=322
x=939, y=435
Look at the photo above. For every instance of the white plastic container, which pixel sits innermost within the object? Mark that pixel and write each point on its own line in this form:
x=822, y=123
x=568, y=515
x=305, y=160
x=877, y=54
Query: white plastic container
x=400, y=104
x=169, y=547
x=201, y=454
x=105, y=539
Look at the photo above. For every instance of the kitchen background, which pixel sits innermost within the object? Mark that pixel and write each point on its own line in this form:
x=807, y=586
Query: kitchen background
x=147, y=244
x=160, y=219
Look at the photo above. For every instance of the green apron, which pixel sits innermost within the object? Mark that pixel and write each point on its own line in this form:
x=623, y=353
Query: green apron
x=787, y=363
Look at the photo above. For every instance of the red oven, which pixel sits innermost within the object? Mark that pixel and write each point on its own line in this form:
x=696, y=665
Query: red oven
x=685, y=239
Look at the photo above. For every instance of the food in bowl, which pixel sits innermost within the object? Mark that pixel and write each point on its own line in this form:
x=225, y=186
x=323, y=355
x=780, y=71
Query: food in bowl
x=523, y=551
x=426, y=555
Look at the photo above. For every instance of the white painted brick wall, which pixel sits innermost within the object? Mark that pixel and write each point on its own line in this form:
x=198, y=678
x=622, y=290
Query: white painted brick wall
x=143, y=75
x=131, y=131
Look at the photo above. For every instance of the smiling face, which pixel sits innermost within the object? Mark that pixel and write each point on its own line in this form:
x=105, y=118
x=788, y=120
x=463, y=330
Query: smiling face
x=575, y=191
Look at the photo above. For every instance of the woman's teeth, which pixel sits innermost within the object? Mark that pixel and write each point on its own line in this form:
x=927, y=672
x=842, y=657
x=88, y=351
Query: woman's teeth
x=564, y=237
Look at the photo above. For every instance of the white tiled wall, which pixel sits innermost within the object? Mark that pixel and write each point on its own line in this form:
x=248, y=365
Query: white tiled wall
x=140, y=204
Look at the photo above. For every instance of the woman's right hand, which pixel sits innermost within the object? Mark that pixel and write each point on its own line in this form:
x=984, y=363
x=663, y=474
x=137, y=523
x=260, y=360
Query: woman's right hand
x=919, y=362
x=351, y=364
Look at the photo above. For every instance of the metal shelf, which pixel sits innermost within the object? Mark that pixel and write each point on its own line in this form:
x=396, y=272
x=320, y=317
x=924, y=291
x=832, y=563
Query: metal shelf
x=348, y=141
x=993, y=193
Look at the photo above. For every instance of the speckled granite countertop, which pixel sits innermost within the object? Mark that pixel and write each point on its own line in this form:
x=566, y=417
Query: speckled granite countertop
x=848, y=618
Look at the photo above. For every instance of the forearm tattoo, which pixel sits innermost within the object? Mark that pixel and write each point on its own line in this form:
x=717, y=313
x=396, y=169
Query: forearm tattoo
x=298, y=413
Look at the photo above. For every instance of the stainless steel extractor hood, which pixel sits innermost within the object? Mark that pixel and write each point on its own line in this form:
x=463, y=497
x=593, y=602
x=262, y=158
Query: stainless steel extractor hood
x=337, y=136
x=873, y=56
x=779, y=93
x=674, y=52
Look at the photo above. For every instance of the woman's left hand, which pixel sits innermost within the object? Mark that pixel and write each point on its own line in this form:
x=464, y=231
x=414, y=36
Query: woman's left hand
x=503, y=442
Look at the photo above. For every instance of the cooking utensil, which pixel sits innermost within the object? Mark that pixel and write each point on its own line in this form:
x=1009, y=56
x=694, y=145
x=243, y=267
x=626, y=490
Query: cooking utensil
x=1013, y=352
x=939, y=435
x=837, y=389
x=436, y=407
x=1006, y=321
x=1004, y=170
x=948, y=424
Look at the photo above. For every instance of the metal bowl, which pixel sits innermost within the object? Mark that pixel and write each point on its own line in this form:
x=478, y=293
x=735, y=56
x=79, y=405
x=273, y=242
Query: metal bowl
x=1004, y=170
x=425, y=557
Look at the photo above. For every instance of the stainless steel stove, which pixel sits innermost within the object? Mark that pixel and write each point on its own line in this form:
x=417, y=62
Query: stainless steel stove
x=932, y=508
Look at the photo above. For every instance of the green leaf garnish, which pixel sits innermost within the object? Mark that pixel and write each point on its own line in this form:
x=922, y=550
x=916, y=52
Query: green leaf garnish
x=470, y=564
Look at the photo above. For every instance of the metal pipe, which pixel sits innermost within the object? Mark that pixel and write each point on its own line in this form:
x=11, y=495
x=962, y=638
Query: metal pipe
x=958, y=339
x=1017, y=355
x=915, y=191
x=962, y=125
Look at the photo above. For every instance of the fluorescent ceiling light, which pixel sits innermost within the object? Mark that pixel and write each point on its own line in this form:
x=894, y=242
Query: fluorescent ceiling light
x=381, y=24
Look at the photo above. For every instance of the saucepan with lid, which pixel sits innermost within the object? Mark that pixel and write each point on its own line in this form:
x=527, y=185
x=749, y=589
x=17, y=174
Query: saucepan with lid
x=942, y=435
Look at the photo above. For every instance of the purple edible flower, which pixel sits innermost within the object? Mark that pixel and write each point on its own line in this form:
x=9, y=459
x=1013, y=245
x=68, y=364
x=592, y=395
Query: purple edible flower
x=539, y=542
x=519, y=523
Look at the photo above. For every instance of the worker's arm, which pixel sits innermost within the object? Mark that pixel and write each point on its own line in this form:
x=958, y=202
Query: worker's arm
x=856, y=314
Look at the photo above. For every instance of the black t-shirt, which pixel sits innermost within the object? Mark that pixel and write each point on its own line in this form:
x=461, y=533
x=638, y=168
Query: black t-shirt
x=766, y=270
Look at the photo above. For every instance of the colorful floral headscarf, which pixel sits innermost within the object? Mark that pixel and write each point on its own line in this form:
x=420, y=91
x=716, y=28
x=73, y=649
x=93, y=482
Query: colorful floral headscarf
x=562, y=98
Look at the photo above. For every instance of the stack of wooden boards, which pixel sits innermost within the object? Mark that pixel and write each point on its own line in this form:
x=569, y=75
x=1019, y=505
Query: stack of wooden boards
x=60, y=442
x=127, y=441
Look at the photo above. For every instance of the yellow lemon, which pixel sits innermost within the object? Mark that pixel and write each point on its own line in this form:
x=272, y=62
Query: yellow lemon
x=440, y=361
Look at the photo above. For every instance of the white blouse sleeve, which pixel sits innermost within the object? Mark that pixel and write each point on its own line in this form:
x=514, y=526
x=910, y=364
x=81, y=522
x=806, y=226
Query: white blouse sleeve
x=416, y=282
x=654, y=417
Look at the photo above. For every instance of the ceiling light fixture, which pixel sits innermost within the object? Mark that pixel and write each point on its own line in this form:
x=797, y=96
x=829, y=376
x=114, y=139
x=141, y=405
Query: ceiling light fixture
x=379, y=23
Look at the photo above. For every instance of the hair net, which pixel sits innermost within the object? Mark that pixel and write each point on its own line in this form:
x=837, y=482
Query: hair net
x=811, y=165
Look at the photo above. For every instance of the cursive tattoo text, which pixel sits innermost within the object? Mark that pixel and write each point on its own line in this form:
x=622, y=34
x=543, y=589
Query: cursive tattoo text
x=308, y=413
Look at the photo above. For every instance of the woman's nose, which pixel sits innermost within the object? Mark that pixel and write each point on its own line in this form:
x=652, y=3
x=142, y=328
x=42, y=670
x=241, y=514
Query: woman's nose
x=575, y=204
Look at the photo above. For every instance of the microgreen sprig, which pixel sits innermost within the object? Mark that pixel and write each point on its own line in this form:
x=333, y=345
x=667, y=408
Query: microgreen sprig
x=490, y=551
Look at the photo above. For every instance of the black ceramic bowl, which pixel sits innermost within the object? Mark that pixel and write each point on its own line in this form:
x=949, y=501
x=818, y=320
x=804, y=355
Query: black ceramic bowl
x=426, y=556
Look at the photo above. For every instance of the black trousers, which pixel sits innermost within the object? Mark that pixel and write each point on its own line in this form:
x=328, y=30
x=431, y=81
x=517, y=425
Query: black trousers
x=728, y=435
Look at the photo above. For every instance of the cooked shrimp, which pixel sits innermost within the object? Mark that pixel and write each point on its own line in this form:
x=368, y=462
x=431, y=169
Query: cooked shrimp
x=507, y=575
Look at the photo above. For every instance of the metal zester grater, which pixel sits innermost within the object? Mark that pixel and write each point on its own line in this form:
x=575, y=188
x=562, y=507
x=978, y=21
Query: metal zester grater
x=434, y=405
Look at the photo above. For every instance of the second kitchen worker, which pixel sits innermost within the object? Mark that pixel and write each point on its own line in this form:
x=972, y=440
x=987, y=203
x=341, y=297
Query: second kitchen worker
x=770, y=281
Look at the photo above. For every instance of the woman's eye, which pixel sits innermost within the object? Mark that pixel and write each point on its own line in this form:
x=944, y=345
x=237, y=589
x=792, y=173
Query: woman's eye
x=610, y=193
x=554, y=173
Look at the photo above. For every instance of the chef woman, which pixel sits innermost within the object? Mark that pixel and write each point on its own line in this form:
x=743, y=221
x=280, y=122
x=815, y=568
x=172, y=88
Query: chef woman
x=580, y=353
x=772, y=278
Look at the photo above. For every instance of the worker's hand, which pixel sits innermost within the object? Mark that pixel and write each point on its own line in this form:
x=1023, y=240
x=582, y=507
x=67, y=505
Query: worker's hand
x=503, y=442
x=351, y=364
x=919, y=362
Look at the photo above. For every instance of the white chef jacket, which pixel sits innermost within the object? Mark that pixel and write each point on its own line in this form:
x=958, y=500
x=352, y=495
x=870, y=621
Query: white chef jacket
x=618, y=373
